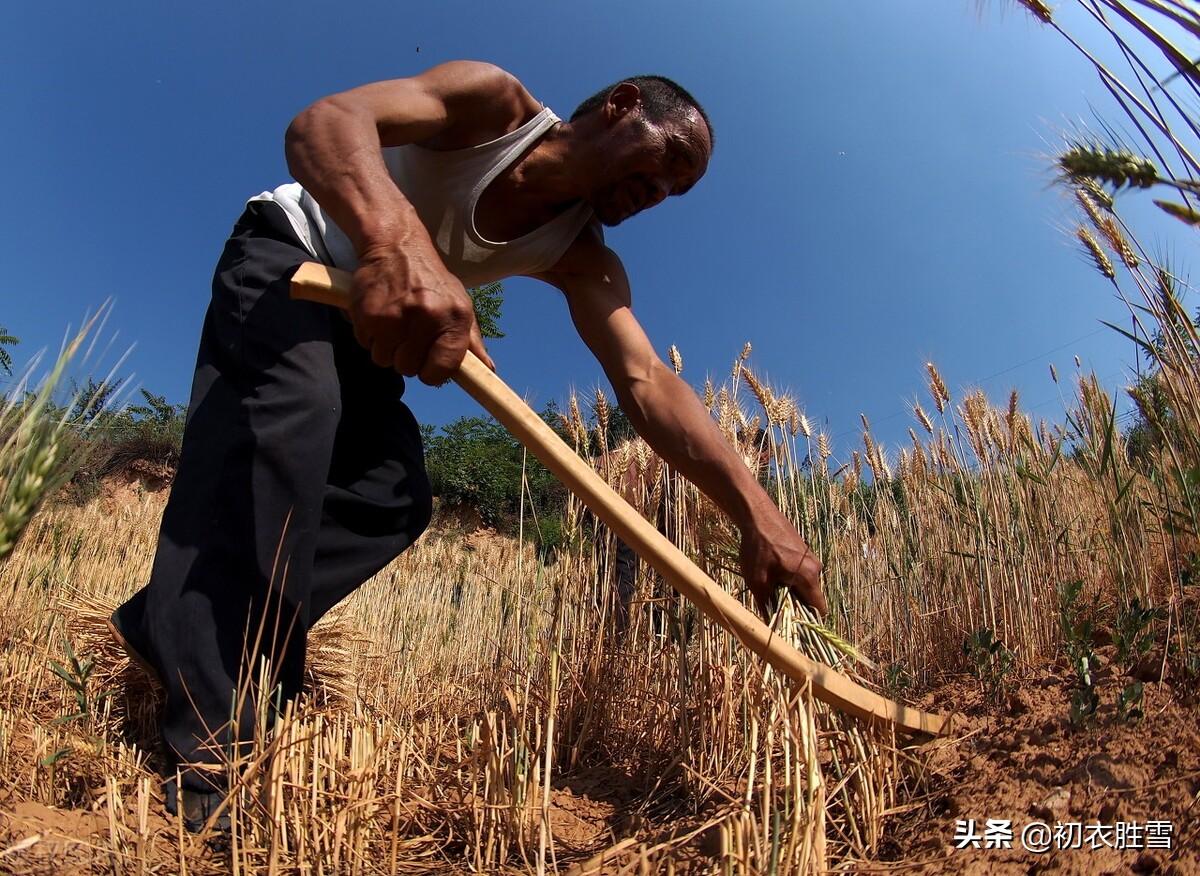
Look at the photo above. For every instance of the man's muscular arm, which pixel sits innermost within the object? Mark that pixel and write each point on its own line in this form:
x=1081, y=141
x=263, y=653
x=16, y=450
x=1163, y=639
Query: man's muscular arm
x=407, y=309
x=667, y=413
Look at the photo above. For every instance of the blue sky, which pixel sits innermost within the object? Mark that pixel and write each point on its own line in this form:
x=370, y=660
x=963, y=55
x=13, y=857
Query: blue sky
x=879, y=197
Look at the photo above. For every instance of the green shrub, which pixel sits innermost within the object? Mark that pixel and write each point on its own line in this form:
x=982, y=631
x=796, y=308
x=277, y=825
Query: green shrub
x=474, y=462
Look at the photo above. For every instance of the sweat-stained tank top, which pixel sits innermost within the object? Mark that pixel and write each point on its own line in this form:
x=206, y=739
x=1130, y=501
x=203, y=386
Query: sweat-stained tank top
x=443, y=188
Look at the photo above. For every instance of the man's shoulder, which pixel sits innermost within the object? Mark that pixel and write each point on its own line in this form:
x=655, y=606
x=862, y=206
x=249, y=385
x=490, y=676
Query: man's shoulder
x=483, y=101
x=588, y=253
x=587, y=264
x=485, y=79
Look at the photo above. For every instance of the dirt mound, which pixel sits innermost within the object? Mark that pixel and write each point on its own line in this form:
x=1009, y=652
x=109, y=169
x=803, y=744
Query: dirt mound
x=1024, y=762
x=39, y=839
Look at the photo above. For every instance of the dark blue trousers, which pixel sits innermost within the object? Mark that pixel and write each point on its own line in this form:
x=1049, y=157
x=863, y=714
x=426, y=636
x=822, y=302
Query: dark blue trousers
x=301, y=476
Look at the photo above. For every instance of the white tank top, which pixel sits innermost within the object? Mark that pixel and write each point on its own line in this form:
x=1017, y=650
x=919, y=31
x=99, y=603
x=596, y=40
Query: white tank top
x=443, y=188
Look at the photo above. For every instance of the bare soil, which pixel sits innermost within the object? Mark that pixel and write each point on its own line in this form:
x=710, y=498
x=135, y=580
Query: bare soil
x=1022, y=760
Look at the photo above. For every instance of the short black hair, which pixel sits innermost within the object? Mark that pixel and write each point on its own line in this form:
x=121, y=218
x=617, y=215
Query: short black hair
x=661, y=98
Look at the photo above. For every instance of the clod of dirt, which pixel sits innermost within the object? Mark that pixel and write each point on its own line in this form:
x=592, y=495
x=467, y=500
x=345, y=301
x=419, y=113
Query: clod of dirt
x=1054, y=807
x=1149, y=669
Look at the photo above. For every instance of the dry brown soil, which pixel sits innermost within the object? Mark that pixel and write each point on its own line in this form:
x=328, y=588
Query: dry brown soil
x=1022, y=760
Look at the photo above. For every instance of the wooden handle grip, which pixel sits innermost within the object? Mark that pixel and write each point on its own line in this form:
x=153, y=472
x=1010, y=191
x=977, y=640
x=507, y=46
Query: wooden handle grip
x=315, y=282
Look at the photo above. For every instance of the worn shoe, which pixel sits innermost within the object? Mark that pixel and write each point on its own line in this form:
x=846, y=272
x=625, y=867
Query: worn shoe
x=198, y=807
x=122, y=636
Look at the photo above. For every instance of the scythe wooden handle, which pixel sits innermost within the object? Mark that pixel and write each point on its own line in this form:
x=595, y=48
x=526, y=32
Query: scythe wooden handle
x=315, y=282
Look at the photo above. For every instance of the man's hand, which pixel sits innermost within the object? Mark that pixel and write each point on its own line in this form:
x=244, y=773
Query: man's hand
x=774, y=555
x=412, y=314
x=407, y=309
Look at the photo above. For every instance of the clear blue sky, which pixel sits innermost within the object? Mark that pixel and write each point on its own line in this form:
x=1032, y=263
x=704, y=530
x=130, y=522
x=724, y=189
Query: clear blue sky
x=879, y=195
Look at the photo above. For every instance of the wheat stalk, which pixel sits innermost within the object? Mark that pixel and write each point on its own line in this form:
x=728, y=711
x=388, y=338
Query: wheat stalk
x=937, y=388
x=1099, y=256
x=34, y=459
x=1117, y=167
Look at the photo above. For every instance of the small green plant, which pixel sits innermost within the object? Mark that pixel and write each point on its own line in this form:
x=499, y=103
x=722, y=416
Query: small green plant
x=1133, y=633
x=1129, y=702
x=76, y=675
x=896, y=677
x=1084, y=699
x=990, y=661
x=1077, y=635
x=1133, y=636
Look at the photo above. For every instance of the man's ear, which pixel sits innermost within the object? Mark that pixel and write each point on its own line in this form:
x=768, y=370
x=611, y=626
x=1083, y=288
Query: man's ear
x=622, y=100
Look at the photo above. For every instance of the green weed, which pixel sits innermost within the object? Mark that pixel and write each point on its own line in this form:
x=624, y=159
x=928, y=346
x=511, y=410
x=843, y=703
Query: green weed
x=990, y=661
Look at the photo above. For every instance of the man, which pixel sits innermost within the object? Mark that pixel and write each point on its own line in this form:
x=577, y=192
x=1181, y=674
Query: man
x=301, y=473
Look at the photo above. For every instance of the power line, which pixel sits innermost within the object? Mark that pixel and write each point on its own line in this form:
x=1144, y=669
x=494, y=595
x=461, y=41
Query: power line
x=1030, y=361
x=999, y=373
x=1122, y=417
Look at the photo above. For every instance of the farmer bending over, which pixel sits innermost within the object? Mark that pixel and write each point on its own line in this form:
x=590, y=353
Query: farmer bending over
x=302, y=473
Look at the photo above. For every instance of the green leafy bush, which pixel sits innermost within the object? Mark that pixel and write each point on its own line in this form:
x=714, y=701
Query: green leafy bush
x=474, y=462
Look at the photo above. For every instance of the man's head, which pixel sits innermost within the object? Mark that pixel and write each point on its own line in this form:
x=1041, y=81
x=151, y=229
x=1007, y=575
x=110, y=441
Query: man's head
x=652, y=139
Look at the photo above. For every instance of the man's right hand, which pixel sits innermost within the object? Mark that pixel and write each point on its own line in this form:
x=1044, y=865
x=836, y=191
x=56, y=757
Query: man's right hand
x=412, y=314
x=408, y=310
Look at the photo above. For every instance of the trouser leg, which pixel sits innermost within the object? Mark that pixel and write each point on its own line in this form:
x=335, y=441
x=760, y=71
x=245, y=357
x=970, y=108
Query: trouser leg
x=236, y=547
x=626, y=578
x=377, y=499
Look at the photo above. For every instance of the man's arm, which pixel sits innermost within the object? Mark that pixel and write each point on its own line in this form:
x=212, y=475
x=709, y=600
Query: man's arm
x=333, y=146
x=407, y=309
x=667, y=413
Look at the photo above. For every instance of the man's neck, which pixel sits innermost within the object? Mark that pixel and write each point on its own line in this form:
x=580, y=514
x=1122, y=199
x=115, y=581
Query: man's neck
x=551, y=173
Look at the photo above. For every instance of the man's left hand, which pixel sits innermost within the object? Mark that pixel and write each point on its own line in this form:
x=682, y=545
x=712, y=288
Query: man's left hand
x=774, y=555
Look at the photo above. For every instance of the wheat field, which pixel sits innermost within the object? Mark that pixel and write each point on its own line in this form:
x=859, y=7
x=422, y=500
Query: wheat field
x=479, y=706
x=475, y=708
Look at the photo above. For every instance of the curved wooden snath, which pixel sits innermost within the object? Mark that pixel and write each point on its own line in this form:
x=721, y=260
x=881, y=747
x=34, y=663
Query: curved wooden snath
x=315, y=282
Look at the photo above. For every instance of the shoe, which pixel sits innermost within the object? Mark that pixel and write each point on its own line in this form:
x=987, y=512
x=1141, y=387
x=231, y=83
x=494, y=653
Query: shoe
x=198, y=807
x=122, y=637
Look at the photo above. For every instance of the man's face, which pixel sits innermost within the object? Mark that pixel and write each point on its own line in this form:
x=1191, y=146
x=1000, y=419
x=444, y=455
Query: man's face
x=650, y=161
